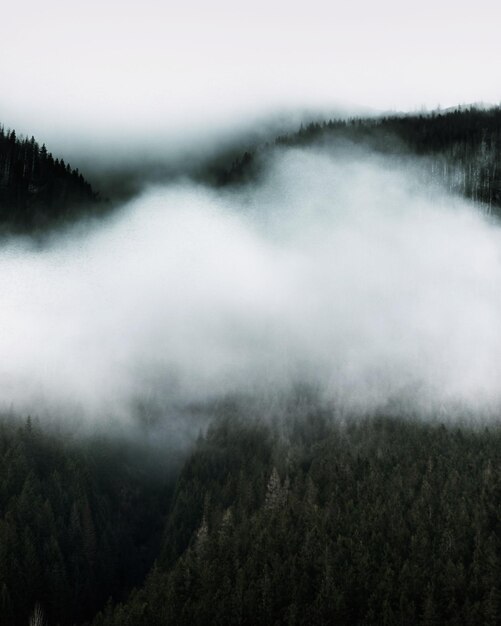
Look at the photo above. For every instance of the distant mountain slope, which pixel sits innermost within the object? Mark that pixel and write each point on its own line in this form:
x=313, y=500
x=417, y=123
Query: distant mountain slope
x=462, y=148
x=35, y=189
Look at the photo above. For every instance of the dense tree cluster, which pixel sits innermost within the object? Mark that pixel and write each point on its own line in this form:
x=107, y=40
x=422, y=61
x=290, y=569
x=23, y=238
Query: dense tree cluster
x=312, y=521
x=78, y=522
x=461, y=149
x=464, y=145
x=371, y=522
x=35, y=188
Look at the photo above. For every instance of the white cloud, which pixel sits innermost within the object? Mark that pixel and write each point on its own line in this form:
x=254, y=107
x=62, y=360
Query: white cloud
x=336, y=271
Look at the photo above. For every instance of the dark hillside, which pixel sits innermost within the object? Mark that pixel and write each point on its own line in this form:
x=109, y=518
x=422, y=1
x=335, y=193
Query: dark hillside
x=462, y=148
x=79, y=521
x=375, y=522
x=37, y=190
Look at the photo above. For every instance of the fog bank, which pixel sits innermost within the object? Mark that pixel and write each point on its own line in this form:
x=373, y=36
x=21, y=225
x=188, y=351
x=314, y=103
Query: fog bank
x=337, y=272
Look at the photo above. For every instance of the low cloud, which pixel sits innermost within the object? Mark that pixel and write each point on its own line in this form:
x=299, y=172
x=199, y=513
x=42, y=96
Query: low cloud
x=338, y=272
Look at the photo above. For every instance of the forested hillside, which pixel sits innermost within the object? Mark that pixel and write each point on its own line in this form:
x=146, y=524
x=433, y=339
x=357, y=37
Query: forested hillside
x=372, y=522
x=37, y=189
x=461, y=149
x=381, y=521
x=79, y=521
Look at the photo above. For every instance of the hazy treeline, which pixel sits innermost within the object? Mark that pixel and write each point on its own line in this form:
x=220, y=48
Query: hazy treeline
x=463, y=149
x=373, y=522
x=37, y=189
x=78, y=522
x=463, y=146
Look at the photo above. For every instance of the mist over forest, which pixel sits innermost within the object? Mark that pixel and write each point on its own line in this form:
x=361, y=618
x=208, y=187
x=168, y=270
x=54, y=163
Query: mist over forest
x=333, y=260
x=258, y=386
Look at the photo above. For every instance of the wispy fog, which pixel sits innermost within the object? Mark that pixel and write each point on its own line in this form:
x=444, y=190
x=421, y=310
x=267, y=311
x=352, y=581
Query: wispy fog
x=340, y=273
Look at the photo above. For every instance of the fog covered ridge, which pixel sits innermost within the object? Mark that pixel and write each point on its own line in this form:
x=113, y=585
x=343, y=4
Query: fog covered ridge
x=339, y=272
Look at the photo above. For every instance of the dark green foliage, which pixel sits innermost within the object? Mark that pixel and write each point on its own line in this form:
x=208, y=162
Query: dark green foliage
x=78, y=523
x=378, y=521
x=37, y=190
x=375, y=522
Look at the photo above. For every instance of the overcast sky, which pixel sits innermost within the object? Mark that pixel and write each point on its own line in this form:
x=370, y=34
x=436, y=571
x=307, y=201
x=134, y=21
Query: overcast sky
x=81, y=67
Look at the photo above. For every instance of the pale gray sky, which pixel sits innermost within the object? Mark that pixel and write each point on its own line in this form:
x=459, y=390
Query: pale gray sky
x=130, y=66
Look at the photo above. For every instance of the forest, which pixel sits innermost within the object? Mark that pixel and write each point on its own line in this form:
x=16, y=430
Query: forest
x=309, y=521
x=460, y=149
x=80, y=521
x=36, y=189
x=309, y=517
x=377, y=521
